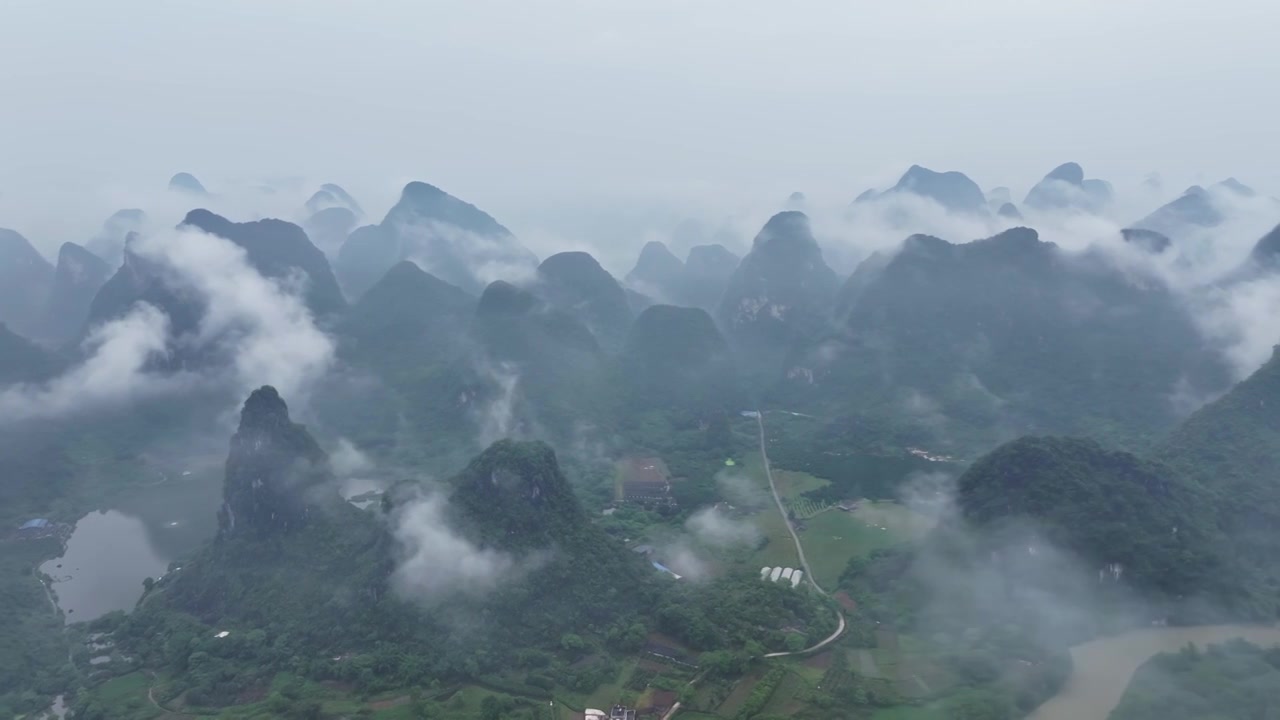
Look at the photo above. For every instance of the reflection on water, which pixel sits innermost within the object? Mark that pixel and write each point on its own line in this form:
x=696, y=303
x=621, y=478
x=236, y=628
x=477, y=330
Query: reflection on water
x=111, y=552
x=1103, y=667
x=102, y=570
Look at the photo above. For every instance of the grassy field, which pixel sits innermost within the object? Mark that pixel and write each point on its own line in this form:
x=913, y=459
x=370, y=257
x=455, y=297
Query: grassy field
x=732, y=704
x=791, y=484
x=125, y=697
x=786, y=700
x=831, y=539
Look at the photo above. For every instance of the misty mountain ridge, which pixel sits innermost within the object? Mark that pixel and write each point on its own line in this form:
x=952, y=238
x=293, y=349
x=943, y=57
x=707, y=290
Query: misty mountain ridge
x=108, y=242
x=77, y=278
x=657, y=272
x=576, y=284
x=410, y=318
x=186, y=183
x=1198, y=208
x=781, y=292
x=277, y=249
x=452, y=239
x=1010, y=331
x=1066, y=188
x=675, y=357
x=26, y=278
x=953, y=190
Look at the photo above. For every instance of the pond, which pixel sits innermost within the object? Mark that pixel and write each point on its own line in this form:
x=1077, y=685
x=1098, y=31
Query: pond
x=112, y=551
x=1103, y=667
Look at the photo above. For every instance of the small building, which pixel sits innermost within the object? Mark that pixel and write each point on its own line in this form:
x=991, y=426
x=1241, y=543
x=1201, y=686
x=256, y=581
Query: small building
x=786, y=573
x=773, y=576
x=796, y=577
x=764, y=572
x=621, y=712
x=663, y=568
x=646, y=481
x=35, y=524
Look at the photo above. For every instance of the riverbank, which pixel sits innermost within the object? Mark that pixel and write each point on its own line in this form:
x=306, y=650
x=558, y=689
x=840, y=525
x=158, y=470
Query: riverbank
x=1104, y=667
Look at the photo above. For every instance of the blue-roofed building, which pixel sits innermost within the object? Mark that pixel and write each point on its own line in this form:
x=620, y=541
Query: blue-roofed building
x=663, y=568
x=36, y=524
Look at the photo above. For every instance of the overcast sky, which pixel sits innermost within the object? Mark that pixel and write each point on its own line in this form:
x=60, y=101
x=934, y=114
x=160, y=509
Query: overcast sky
x=539, y=108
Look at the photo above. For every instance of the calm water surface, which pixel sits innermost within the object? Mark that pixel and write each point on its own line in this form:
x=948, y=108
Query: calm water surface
x=112, y=551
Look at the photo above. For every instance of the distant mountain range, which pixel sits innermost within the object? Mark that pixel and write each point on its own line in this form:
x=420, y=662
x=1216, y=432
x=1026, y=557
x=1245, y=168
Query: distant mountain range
x=456, y=241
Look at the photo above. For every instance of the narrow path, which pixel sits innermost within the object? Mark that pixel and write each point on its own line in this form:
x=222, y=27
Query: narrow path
x=777, y=499
x=804, y=563
x=830, y=639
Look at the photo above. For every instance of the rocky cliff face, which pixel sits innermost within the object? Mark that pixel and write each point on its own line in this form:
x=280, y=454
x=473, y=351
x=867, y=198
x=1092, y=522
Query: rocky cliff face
x=276, y=473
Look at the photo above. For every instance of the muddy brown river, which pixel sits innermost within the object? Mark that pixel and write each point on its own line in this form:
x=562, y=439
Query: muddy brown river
x=1103, y=667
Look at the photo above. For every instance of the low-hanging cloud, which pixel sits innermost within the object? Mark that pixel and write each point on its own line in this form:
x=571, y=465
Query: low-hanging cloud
x=263, y=323
x=436, y=562
x=497, y=418
x=258, y=328
x=713, y=527
x=114, y=371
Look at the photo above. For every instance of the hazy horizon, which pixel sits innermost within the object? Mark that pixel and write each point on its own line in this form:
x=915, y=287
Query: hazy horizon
x=564, y=117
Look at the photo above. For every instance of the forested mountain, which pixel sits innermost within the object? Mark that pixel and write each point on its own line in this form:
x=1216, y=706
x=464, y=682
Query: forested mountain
x=276, y=472
x=453, y=240
x=553, y=361
x=1126, y=520
x=25, y=281
x=408, y=321
x=676, y=358
x=780, y=295
x=297, y=565
x=574, y=283
x=78, y=277
x=1233, y=680
x=1232, y=447
x=1011, y=334
x=276, y=249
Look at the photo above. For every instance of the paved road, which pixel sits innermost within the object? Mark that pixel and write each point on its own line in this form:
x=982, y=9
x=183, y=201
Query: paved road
x=804, y=563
